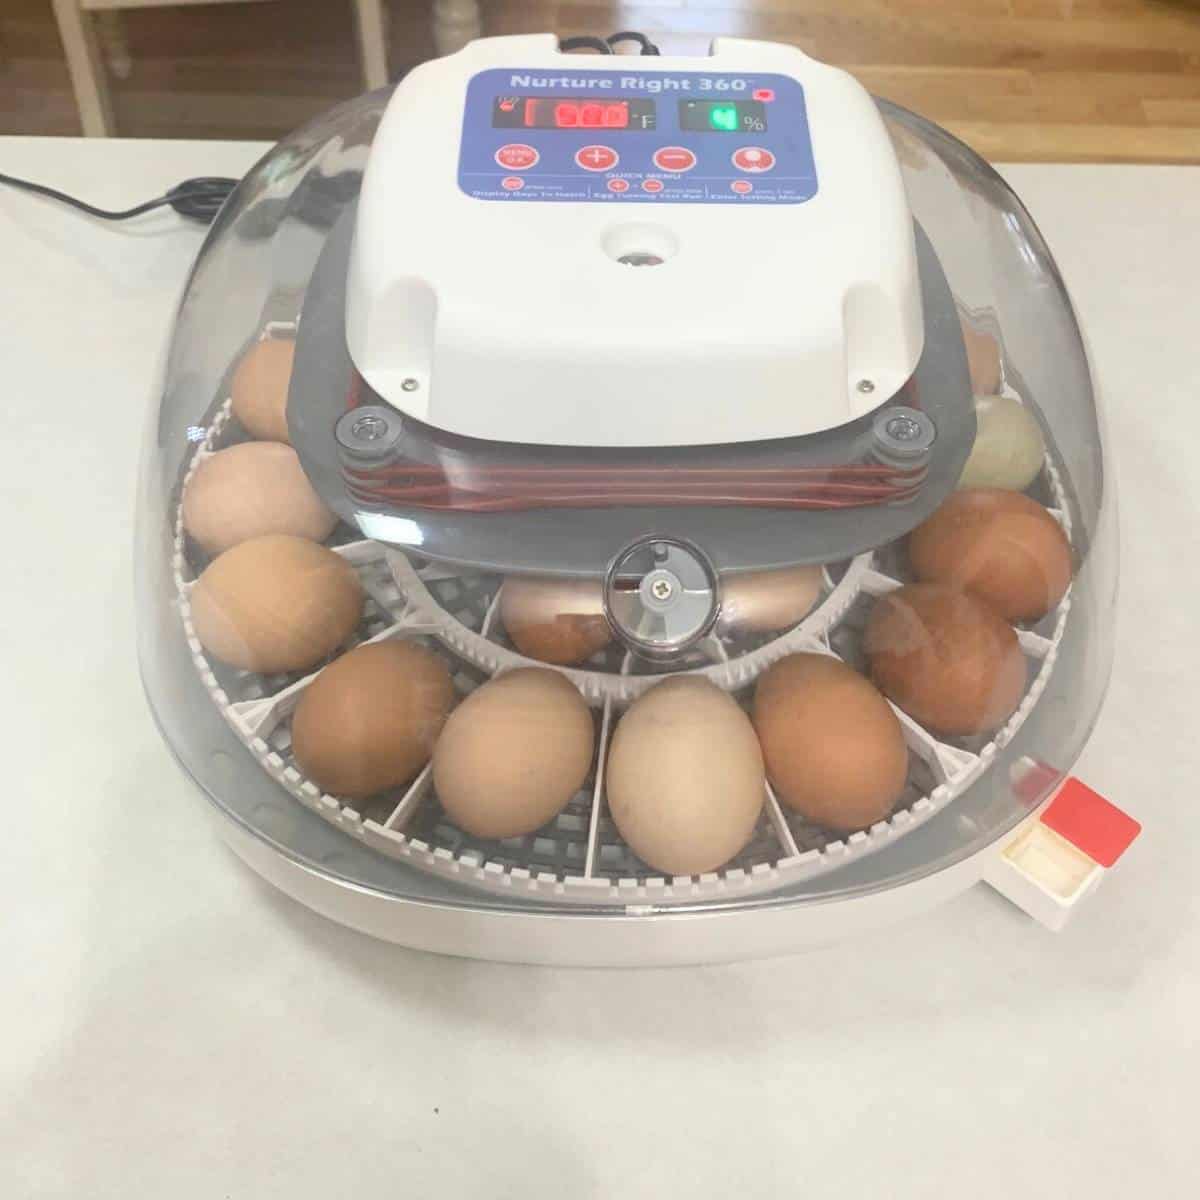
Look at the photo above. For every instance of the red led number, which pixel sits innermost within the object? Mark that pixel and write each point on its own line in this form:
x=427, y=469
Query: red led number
x=568, y=115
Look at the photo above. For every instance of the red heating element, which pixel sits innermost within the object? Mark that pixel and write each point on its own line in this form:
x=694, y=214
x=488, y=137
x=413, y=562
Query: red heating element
x=496, y=488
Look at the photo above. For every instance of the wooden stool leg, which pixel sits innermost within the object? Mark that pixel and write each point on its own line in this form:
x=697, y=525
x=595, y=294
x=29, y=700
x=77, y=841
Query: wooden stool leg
x=372, y=43
x=86, y=67
x=455, y=23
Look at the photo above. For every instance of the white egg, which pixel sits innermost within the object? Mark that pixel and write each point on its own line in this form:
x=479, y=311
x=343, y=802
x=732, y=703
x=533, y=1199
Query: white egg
x=1009, y=448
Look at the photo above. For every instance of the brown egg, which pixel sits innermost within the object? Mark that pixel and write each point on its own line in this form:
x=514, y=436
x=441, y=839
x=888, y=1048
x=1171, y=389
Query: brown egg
x=250, y=490
x=983, y=358
x=513, y=753
x=768, y=601
x=1000, y=545
x=276, y=603
x=557, y=621
x=945, y=657
x=685, y=782
x=260, y=389
x=834, y=749
x=369, y=720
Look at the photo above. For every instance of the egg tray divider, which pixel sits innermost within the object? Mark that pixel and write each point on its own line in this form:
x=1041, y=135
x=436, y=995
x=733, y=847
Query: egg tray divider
x=579, y=857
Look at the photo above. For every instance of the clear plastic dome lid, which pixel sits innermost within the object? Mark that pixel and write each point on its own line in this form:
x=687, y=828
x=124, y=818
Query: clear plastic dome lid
x=499, y=674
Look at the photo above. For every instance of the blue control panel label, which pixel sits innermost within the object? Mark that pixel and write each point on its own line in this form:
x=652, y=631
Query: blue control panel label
x=635, y=136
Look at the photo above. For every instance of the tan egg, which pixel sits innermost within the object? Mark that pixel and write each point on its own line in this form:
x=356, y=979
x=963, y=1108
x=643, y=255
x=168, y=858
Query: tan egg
x=983, y=358
x=833, y=748
x=370, y=719
x=513, y=753
x=557, y=621
x=768, y=601
x=1008, y=451
x=684, y=779
x=945, y=658
x=250, y=490
x=1001, y=546
x=276, y=603
x=260, y=389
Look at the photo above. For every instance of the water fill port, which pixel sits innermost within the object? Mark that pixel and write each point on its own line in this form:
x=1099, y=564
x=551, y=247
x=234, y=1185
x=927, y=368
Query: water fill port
x=640, y=245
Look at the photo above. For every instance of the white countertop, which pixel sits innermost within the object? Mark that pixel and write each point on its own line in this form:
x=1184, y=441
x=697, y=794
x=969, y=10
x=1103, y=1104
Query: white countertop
x=175, y=1028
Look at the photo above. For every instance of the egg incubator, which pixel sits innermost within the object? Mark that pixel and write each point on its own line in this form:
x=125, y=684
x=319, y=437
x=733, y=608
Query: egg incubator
x=611, y=509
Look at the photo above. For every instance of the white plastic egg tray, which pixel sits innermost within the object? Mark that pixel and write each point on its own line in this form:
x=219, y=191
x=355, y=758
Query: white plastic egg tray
x=580, y=856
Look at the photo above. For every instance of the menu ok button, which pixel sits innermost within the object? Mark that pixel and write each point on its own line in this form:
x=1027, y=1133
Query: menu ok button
x=596, y=158
x=516, y=156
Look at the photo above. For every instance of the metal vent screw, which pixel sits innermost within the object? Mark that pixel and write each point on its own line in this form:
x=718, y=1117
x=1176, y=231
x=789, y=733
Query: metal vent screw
x=369, y=428
x=368, y=434
x=410, y=384
x=904, y=429
x=903, y=436
x=866, y=386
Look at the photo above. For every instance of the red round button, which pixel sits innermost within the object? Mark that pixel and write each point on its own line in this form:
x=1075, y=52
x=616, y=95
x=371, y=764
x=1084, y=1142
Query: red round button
x=652, y=186
x=753, y=158
x=512, y=183
x=618, y=185
x=516, y=156
x=596, y=158
x=674, y=158
x=742, y=186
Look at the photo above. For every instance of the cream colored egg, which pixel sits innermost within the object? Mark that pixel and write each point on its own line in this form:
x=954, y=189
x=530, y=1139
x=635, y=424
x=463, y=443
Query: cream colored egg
x=768, y=601
x=260, y=388
x=250, y=490
x=1009, y=449
x=513, y=753
x=685, y=780
x=276, y=603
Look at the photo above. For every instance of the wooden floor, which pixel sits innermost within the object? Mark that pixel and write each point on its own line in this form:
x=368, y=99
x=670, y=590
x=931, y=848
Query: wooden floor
x=1071, y=80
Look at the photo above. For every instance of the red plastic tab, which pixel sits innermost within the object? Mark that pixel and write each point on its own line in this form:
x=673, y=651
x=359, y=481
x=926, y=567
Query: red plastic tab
x=1100, y=829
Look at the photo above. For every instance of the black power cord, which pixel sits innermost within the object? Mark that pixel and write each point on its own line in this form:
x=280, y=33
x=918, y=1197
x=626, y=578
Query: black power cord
x=631, y=35
x=605, y=45
x=201, y=199
x=196, y=199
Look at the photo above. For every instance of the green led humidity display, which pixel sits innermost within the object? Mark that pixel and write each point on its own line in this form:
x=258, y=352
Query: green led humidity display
x=723, y=116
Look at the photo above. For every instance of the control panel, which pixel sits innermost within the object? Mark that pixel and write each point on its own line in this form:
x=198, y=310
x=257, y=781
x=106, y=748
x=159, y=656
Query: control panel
x=553, y=249
x=650, y=136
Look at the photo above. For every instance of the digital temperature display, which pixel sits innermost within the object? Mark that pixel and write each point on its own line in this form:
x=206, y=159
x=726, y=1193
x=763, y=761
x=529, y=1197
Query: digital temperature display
x=565, y=112
x=722, y=116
